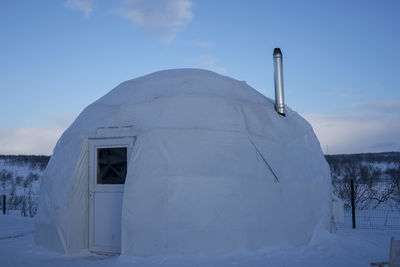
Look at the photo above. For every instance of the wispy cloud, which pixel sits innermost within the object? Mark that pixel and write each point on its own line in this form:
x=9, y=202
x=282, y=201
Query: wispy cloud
x=35, y=139
x=356, y=133
x=392, y=106
x=163, y=19
x=345, y=92
x=85, y=6
x=208, y=62
x=29, y=140
x=203, y=44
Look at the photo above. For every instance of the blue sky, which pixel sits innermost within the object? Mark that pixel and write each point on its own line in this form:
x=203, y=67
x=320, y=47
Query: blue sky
x=341, y=61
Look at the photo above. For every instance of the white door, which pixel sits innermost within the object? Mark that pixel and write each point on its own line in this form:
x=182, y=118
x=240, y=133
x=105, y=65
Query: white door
x=107, y=173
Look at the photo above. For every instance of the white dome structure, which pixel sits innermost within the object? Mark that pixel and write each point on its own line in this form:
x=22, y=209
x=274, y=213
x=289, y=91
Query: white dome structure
x=183, y=161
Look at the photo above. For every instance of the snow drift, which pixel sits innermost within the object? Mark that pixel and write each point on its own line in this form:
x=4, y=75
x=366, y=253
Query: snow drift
x=214, y=168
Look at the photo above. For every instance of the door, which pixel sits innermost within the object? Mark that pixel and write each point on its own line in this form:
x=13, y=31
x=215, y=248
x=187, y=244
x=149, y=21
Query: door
x=107, y=173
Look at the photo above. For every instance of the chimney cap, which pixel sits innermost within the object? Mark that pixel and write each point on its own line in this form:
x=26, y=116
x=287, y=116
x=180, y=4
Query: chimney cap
x=277, y=52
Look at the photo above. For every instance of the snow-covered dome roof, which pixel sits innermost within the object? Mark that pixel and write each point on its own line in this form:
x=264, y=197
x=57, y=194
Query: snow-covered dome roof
x=163, y=99
x=181, y=83
x=213, y=168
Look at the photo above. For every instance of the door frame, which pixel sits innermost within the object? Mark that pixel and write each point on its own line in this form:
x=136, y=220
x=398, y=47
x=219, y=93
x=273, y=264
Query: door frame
x=95, y=144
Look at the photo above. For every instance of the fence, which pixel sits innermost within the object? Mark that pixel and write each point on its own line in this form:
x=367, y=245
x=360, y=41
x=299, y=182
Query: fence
x=25, y=205
x=3, y=204
x=374, y=206
x=379, y=218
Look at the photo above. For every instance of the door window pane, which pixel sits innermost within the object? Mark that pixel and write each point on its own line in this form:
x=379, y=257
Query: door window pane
x=111, y=165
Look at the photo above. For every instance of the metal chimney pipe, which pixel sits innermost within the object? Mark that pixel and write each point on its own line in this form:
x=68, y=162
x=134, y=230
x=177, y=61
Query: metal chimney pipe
x=278, y=82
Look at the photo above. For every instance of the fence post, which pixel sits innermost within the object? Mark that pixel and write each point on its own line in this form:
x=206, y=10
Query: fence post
x=4, y=204
x=353, y=208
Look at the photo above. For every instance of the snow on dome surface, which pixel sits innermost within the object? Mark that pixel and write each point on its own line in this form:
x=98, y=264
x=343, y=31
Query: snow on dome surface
x=213, y=168
x=180, y=82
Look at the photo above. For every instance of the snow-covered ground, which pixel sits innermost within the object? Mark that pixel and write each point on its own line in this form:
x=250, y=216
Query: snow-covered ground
x=345, y=248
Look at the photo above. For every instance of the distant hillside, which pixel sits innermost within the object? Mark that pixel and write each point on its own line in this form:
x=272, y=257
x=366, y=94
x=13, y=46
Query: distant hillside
x=33, y=161
x=366, y=167
x=384, y=157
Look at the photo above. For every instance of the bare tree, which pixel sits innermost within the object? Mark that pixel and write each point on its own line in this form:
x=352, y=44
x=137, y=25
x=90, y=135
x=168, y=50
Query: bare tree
x=28, y=201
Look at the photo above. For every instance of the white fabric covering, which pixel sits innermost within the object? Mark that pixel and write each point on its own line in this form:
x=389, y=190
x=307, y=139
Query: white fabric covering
x=214, y=168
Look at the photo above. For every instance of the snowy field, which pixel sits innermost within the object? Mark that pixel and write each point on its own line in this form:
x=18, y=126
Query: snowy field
x=345, y=248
